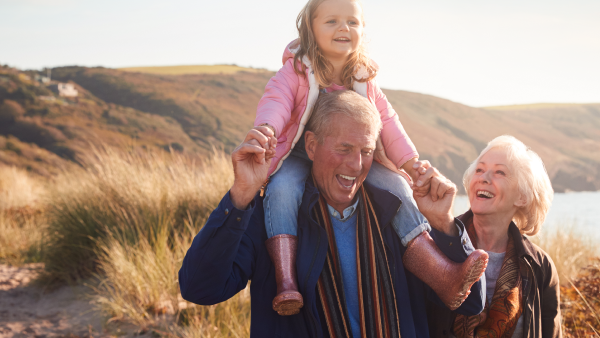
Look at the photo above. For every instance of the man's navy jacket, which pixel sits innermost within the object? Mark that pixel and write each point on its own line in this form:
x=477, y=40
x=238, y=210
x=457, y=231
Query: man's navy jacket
x=230, y=250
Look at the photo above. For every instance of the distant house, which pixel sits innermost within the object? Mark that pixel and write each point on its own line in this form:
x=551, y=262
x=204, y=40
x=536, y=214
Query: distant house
x=64, y=89
x=41, y=78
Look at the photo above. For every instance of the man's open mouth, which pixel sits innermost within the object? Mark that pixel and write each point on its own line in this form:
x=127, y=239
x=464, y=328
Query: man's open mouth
x=484, y=194
x=345, y=181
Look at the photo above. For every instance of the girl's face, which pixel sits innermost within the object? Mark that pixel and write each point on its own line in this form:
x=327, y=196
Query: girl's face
x=338, y=28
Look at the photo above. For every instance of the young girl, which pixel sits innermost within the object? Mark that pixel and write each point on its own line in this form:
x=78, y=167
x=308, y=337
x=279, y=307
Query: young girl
x=329, y=55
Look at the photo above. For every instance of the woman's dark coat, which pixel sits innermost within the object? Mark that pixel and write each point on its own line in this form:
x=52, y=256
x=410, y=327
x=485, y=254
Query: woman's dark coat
x=541, y=292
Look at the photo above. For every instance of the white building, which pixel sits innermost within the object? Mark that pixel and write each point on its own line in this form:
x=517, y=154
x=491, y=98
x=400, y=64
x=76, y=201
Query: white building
x=65, y=89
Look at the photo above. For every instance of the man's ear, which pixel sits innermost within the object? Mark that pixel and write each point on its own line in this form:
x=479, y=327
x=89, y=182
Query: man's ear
x=310, y=143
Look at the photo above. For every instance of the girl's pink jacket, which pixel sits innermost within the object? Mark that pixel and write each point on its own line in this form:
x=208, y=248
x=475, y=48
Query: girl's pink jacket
x=287, y=105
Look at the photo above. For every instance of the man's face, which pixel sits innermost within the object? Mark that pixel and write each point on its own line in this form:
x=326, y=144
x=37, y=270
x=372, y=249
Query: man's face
x=342, y=162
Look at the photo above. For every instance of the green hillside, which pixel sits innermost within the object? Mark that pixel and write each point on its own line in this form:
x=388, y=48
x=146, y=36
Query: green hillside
x=196, y=108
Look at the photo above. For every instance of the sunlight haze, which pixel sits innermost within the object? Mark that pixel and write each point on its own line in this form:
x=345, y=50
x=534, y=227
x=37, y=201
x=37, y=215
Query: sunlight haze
x=472, y=52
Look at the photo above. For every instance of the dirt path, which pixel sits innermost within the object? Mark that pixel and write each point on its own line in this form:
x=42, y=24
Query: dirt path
x=27, y=311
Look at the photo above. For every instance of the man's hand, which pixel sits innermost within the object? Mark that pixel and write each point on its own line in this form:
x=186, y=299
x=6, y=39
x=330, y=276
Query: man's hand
x=251, y=162
x=438, y=210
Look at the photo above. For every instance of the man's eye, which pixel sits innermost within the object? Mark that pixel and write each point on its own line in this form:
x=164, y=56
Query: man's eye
x=368, y=152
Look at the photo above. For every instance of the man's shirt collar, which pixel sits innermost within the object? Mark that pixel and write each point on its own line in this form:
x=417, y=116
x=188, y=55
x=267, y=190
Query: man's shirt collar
x=348, y=212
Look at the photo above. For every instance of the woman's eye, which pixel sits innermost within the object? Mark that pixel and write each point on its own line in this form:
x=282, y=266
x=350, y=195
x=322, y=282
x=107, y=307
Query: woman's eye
x=500, y=172
x=478, y=170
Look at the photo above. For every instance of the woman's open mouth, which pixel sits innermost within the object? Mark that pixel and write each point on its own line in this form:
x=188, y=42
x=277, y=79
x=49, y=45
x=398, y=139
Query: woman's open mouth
x=484, y=194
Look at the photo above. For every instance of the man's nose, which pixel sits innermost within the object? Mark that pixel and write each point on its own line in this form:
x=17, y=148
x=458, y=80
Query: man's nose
x=354, y=162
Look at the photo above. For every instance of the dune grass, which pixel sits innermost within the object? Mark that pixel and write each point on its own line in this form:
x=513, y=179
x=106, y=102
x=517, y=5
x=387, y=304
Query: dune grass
x=131, y=196
x=22, y=220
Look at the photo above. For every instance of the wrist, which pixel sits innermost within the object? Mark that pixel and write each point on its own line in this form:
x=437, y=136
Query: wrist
x=240, y=197
x=270, y=127
x=446, y=225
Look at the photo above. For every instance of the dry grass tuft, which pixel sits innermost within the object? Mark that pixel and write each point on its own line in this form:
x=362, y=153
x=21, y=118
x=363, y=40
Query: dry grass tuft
x=22, y=221
x=131, y=196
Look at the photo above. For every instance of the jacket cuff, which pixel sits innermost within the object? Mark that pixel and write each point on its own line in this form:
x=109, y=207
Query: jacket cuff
x=457, y=248
x=231, y=216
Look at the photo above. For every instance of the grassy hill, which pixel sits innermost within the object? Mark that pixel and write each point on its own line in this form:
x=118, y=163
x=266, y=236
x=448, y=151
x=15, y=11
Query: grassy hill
x=194, y=108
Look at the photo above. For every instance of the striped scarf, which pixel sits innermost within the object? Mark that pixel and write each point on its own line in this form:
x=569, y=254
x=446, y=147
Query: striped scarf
x=377, y=301
x=499, y=317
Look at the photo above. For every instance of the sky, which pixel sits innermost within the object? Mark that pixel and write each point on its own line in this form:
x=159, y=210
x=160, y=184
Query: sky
x=480, y=53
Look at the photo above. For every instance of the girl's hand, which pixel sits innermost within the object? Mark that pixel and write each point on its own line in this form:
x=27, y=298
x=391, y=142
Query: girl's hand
x=428, y=180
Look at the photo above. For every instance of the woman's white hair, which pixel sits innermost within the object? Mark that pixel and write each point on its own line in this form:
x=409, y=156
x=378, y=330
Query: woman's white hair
x=532, y=180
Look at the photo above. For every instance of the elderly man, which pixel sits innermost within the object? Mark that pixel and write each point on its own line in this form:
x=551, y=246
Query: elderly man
x=351, y=275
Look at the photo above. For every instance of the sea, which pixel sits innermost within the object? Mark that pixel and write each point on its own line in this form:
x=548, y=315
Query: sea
x=577, y=211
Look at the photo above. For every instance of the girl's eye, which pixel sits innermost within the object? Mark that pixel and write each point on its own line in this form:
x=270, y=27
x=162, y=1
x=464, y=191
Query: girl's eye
x=331, y=21
x=353, y=22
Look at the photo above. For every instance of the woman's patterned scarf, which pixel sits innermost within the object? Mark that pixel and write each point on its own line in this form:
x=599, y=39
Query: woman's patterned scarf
x=498, y=318
x=377, y=301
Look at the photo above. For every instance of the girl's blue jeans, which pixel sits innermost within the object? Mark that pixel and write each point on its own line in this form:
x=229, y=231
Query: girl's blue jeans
x=284, y=196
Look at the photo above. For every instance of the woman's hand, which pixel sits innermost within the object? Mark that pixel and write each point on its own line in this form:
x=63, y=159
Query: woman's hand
x=438, y=210
x=251, y=161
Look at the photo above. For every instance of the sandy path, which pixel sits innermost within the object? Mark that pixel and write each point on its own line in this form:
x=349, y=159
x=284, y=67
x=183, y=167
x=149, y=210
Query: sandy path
x=27, y=311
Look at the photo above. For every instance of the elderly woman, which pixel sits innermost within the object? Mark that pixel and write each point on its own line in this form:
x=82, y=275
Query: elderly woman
x=510, y=194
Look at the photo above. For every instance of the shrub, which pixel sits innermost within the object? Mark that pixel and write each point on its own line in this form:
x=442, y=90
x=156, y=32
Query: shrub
x=10, y=111
x=580, y=303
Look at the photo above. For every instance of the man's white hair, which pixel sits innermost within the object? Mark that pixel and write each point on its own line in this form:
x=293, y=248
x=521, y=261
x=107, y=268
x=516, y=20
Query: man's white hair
x=532, y=179
x=342, y=104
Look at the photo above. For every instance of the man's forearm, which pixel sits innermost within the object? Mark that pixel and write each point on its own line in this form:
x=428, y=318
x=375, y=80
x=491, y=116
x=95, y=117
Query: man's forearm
x=219, y=260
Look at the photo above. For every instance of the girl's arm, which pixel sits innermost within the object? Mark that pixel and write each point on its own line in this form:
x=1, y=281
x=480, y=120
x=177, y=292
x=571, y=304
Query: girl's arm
x=398, y=146
x=276, y=105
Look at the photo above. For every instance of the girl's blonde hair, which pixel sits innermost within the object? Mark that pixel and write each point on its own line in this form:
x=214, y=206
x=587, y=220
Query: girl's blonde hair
x=532, y=180
x=323, y=69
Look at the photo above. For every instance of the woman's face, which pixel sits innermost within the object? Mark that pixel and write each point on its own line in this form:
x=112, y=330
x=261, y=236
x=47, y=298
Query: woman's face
x=493, y=188
x=338, y=28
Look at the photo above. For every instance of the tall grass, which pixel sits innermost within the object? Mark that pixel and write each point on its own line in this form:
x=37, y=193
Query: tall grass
x=22, y=221
x=131, y=196
x=128, y=219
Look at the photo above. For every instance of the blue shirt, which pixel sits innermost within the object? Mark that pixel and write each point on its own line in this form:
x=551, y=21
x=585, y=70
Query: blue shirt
x=344, y=228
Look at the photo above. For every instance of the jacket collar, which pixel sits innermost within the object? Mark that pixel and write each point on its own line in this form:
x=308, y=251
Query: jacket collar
x=385, y=203
x=523, y=245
